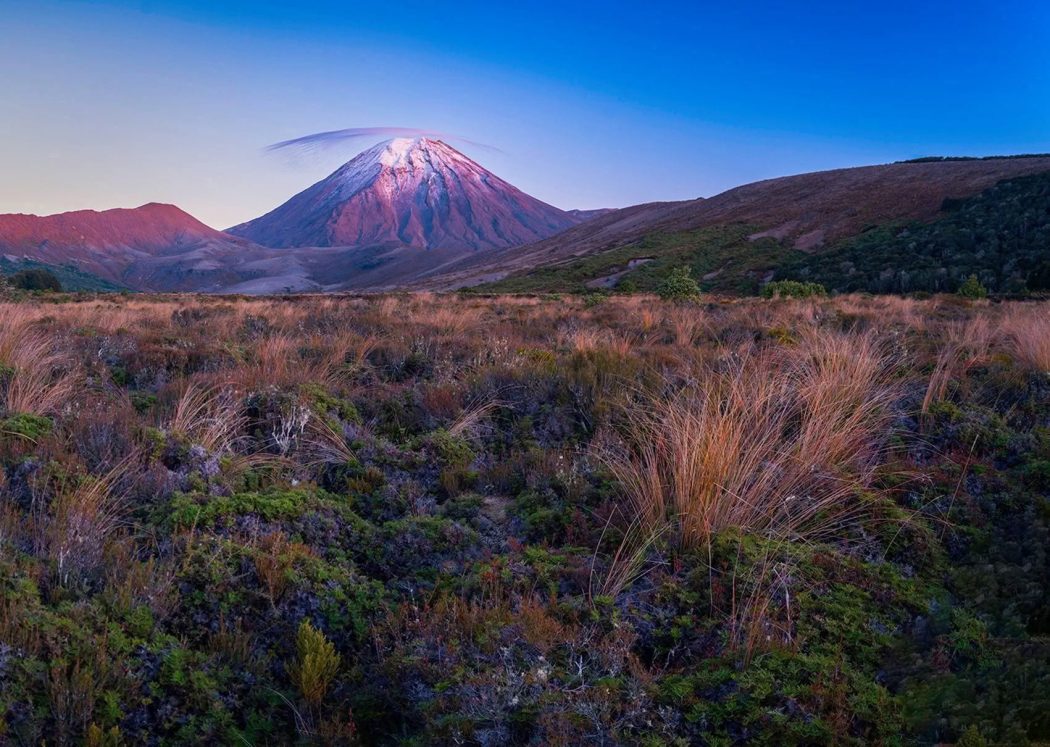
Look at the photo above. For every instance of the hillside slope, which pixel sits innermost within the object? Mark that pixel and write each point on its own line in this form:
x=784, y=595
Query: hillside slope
x=1002, y=236
x=152, y=247
x=807, y=213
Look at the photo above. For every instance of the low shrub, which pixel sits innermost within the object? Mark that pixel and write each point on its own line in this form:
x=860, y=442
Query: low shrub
x=972, y=288
x=792, y=289
x=679, y=285
x=316, y=663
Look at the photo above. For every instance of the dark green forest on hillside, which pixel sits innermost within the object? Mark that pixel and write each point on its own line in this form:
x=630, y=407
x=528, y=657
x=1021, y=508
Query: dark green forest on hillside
x=1002, y=236
x=70, y=278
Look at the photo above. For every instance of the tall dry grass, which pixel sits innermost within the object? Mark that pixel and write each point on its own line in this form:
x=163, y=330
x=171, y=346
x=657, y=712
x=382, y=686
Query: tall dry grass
x=1028, y=331
x=777, y=442
x=74, y=529
x=781, y=443
x=965, y=345
x=209, y=417
x=286, y=359
x=35, y=376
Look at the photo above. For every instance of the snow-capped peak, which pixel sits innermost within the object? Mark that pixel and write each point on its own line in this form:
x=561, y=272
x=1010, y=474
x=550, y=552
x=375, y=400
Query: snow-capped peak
x=397, y=152
x=417, y=192
x=402, y=151
x=419, y=153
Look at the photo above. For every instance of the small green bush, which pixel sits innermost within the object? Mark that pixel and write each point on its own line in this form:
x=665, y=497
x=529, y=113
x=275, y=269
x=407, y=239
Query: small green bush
x=315, y=665
x=972, y=738
x=193, y=509
x=792, y=289
x=972, y=288
x=27, y=426
x=596, y=298
x=679, y=286
x=454, y=451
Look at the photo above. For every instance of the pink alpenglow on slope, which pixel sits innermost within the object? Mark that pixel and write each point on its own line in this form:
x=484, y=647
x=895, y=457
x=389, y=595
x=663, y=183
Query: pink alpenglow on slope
x=415, y=192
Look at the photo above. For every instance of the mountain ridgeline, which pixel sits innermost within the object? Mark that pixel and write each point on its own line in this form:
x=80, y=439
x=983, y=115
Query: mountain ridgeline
x=418, y=214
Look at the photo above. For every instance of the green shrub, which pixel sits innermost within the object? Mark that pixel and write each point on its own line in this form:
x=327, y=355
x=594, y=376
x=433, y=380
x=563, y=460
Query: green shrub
x=972, y=288
x=679, y=286
x=27, y=426
x=97, y=737
x=36, y=280
x=454, y=451
x=315, y=665
x=971, y=738
x=792, y=289
x=590, y=300
x=193, y=509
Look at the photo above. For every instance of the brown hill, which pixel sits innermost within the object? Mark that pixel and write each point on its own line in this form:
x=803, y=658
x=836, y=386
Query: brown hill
x=808, y=212
x=152, y=247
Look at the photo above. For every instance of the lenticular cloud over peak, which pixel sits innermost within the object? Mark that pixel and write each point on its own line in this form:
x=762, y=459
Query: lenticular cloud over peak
x=334, y=137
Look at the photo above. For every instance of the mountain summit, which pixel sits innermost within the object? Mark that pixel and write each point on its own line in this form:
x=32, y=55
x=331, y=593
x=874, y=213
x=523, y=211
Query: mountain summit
x=414, y=192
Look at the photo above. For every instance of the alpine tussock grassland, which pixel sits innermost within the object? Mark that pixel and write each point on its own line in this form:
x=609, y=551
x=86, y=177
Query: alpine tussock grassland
x=428, y=519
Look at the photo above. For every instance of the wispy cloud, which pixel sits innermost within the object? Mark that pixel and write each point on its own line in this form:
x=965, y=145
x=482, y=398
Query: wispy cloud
x=319, y=140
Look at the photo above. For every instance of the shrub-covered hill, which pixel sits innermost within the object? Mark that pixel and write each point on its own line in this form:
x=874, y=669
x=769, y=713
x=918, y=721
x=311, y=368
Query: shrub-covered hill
x=723, y=259
x=1002, y=236
x=439, y=520
x=70, y=278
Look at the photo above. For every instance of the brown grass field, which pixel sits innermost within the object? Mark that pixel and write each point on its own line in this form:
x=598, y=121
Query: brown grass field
x=434, y=519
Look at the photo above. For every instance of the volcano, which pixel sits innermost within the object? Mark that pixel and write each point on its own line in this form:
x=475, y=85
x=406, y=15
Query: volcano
x=409, y=192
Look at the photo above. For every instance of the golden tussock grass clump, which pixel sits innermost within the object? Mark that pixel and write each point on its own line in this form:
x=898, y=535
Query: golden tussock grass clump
x=1028, y=332
x=76, y=526
x=777, y=442
x=966, y=344
x=208, y=416
x=688, y=326
x=35, y=376
x=287, y=360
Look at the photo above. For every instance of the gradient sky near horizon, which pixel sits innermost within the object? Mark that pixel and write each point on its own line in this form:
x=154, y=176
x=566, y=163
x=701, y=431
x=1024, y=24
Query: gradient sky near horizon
x=585, y=104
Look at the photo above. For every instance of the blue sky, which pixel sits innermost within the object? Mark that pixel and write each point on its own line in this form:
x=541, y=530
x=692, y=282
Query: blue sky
x=106, y=104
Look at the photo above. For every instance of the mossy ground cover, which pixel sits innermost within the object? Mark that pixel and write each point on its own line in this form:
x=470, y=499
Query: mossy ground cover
x=391, y=521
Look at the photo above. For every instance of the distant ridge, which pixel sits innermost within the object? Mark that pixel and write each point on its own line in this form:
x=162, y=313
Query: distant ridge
x=428, y=217
x=152, y=247
x=941, y=159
